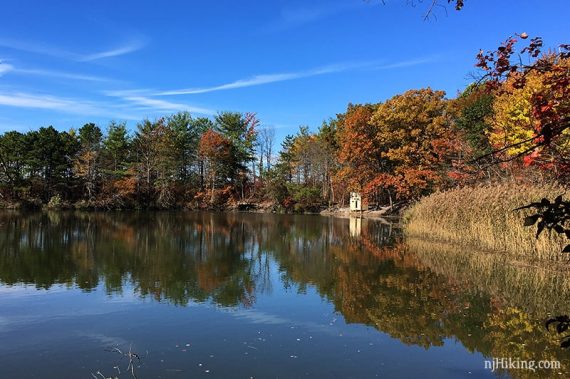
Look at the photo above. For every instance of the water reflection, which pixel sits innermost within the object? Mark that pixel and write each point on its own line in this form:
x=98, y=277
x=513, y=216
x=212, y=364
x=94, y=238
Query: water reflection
x=419, y=293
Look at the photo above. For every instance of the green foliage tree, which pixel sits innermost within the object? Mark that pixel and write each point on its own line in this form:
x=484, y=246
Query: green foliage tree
x=156, y=162
x=12, y=164
x=116, y=149
x=472, y=110
x=241, y=130
x=87, y=164
x=50, y=162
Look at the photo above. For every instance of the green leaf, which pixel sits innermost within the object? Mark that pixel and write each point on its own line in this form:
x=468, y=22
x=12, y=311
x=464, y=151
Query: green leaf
x=531, y=220
x=531, y=205
x=540, y=228
x=548, y=322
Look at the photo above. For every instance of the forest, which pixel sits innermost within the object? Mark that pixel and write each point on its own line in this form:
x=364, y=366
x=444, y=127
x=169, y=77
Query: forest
x=511, y=123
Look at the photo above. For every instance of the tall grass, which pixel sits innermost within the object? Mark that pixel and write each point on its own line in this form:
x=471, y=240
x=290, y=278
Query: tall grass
x=484, y=216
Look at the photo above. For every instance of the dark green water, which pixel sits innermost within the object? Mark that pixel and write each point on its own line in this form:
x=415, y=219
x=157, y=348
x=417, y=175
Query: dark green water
x=246, y=295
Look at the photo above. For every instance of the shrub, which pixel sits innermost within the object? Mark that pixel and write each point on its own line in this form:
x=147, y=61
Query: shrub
x=306, y=198
x=55, y=202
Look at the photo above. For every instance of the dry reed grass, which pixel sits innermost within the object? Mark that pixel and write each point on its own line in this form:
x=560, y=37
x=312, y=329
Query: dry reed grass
x=484, y=216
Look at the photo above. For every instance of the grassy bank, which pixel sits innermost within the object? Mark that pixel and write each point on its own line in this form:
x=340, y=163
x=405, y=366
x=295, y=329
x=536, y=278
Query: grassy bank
x=484, y=217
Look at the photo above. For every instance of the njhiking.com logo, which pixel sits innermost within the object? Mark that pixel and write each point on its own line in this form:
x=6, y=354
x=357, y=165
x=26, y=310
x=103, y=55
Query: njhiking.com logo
x=520, y=364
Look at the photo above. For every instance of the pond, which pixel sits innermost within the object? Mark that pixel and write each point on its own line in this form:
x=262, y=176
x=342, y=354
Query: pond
x=242, y=295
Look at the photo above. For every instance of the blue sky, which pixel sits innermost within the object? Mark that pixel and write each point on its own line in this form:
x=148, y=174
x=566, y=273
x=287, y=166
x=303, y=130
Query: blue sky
x=293, y=62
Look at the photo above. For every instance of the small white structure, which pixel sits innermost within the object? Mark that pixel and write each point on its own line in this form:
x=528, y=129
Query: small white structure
x=355, y=201
x=355, y=226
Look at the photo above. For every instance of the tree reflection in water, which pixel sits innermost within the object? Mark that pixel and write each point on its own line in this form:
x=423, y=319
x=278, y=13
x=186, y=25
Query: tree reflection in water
x=418, y=292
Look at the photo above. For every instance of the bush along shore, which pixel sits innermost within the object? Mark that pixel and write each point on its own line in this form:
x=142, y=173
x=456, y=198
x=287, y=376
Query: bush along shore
x=485, y=217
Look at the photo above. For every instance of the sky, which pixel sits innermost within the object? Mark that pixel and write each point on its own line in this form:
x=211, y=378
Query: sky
x=292, y=62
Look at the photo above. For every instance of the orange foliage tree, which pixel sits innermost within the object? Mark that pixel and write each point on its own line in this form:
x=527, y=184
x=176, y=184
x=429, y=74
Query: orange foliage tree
x=359, y=152
x=400, y=149
x=215, y=150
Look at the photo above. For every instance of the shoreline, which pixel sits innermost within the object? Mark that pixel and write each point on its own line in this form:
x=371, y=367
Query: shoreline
x=258, y=207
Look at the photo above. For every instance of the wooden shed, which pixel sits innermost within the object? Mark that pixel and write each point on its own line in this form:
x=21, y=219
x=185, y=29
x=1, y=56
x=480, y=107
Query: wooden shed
x=355, y=201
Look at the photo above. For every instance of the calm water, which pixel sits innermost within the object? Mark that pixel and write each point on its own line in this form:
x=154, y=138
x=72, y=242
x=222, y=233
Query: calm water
x=264, y=296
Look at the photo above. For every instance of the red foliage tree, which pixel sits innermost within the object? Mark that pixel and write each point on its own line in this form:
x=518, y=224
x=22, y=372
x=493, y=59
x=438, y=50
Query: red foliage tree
x=215, y=150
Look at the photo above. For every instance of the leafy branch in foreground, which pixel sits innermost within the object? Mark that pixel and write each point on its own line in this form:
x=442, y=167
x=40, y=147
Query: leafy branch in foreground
x=550, y=216
x=562, y=324
x=432, y=4
x=541, y=81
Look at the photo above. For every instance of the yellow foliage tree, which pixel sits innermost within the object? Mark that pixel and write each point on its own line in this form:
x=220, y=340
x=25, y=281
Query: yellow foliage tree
x=512, y=121
x=530, y=119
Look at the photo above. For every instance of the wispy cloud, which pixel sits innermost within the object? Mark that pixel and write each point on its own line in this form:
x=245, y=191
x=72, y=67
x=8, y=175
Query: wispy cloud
x=8, y=68
x=129, y=107
x=5, y=67
x=44, y=49
x=60, y=104
x=24, y=100
x=271, y=78
x=61, y=74
x=409, y=63
x=258, y=80
x=305, y=15
x=290, y=17
x=162, y=105
x=122, y=50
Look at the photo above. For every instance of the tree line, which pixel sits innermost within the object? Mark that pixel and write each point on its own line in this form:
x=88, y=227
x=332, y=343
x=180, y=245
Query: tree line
x=510, y=123
x=172, y=161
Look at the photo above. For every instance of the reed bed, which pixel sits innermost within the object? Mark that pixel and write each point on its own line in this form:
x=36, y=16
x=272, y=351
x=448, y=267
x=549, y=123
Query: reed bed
x=484, y=216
